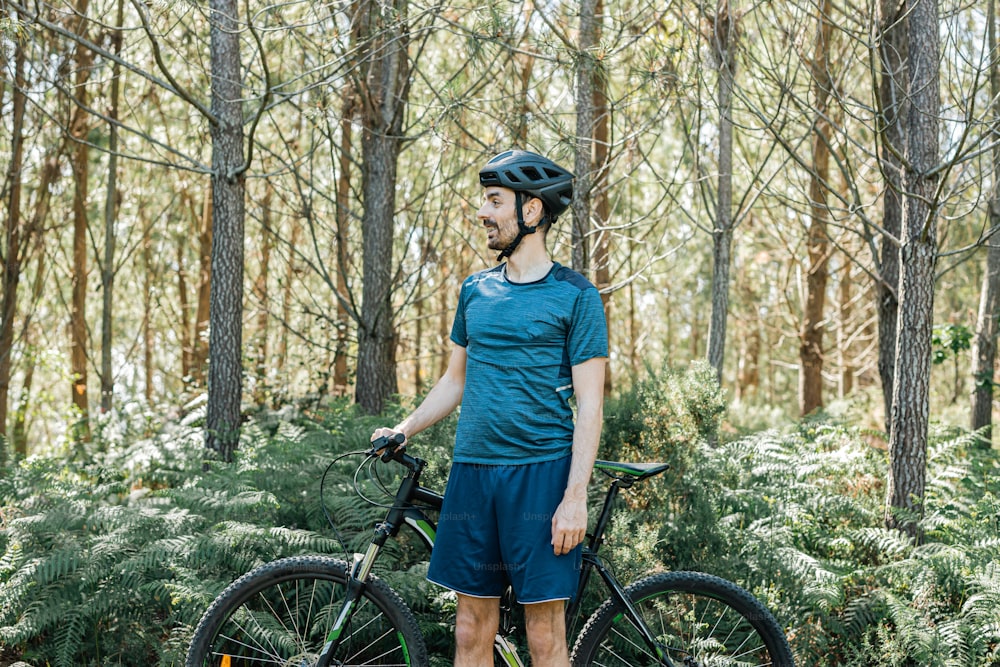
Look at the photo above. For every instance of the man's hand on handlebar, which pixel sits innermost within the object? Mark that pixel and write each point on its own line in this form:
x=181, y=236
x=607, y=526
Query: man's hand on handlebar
x=387, y=443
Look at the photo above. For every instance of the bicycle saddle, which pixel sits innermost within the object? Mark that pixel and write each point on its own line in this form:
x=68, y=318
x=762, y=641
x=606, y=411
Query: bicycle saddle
x=637, y=471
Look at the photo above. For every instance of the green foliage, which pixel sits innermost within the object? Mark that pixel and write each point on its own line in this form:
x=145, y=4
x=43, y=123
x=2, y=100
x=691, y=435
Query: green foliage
x=111, y=558
x=807, y=535
x=948, y=340
x=668, y=411
x=669, y=417
x=797, y=517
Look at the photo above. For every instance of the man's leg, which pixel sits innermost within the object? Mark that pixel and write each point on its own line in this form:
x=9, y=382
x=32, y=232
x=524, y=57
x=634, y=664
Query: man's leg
x=545, y=623
x=476, y=623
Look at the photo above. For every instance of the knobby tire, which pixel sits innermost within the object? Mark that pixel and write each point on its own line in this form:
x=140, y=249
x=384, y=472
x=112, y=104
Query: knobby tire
x=281, y=613
x=702, y=620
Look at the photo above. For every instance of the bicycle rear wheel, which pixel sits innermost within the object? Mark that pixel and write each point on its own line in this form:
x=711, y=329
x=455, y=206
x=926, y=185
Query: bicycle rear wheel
x=699, y=619
x=281, y=614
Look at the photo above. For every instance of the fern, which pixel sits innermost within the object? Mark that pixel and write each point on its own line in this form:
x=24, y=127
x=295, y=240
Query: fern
x=112, y=560
x=68, y=636
x=863, y=612
x=115, y=560
x=804, y=508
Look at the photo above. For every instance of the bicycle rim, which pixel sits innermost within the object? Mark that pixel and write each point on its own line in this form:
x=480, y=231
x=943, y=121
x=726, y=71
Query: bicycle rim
x=281, y=614
x=699, y=621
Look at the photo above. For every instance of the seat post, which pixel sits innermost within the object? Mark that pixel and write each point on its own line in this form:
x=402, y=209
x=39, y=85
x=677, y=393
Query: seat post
x=602, y=521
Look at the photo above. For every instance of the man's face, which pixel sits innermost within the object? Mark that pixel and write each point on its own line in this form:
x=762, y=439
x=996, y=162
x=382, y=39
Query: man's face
x=498, y=214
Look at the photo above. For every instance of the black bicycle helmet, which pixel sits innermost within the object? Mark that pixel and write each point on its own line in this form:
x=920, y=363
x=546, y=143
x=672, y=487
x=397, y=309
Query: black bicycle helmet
x=524, y=171
x=528, y=173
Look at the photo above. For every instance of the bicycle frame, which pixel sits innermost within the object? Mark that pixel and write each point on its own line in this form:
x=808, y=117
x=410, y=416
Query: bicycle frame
x=592, y=562
x=402, y=512
x=408, y=509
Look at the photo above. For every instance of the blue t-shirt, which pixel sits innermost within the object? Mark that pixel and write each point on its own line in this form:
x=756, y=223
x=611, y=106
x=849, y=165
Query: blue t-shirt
x=521, y=340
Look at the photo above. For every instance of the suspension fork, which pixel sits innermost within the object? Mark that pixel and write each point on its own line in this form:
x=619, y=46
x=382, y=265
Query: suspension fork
x=359, y=572
x=357, y=575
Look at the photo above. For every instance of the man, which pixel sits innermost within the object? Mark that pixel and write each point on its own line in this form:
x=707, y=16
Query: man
x=528, y=335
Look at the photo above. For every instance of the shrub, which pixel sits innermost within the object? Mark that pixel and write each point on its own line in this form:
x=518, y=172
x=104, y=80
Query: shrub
x=112, y=557
x=806, y=508
x=670, y=417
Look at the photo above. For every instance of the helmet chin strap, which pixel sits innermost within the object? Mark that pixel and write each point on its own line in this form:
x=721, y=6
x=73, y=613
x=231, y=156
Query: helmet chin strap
x=522, y=229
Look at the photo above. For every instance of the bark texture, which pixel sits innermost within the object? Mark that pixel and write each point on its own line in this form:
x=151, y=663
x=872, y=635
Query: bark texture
x=584, y=159
x=893, y=84
x=918, y=255
x=341, y=375
x=225, y=373
x=817, y=241
x=601, y=198
x=12, y=249
x=384, y=88
x=110, y=216
x=722, y=238
x=79, y=129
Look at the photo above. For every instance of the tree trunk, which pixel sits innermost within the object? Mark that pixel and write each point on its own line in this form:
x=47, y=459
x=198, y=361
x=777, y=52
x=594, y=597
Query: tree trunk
x=261, y=392
x=817, y=243
x=634, y=331
x=147, y=311
x=526, y=67
x=376, y=379
x=445, y=316
x=893, y=48
x=602, y=202
x=341, y=378
x=225, y=382
x=586, y=69
x=12, y=250
x=418, y=334
x=984, y=343
x=281, y=354
x=845, y=308
x=187, y=339
x=80, y=128
x=199, y=342
x=911, y=389
x=110, y=216
x=722, y=237
x=383, y=91
x=50, y=174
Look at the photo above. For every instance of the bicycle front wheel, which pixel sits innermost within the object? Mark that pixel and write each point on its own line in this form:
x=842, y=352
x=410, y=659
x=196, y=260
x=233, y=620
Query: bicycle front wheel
x=281, y=614
x=698, y=620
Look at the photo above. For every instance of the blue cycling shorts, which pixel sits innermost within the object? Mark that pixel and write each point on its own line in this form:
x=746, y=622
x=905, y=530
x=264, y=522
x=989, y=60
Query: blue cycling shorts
x=495, y=528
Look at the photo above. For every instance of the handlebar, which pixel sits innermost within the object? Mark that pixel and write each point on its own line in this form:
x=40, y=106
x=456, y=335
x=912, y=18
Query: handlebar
x=393, y=448
x=388, y=447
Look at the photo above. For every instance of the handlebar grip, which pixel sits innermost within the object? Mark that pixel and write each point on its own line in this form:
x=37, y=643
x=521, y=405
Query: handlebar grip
x=388, y=443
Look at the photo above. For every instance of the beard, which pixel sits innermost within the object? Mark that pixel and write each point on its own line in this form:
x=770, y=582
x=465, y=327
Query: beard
x=497, y=239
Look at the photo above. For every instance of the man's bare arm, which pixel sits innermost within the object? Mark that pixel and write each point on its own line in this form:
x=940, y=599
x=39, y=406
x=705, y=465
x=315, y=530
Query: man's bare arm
x=442, y=399
x=569, y=525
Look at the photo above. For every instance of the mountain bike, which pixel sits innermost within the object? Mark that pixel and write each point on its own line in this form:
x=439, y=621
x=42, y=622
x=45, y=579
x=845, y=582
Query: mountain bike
x=317, y=611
